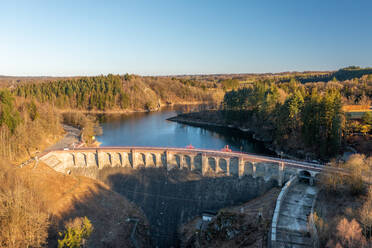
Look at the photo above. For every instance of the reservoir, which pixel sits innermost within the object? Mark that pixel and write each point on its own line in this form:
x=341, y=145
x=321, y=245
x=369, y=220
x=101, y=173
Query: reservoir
x=153, y=129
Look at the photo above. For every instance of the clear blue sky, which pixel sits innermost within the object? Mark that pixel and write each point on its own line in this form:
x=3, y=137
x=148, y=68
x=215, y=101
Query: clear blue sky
x=182, y=37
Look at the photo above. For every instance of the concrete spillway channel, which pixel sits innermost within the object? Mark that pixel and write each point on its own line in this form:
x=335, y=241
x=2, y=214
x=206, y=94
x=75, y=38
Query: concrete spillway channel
x=292, y=227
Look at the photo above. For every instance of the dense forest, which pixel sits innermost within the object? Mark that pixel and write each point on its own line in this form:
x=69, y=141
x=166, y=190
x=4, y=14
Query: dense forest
x=114, y=92
x=301, y=116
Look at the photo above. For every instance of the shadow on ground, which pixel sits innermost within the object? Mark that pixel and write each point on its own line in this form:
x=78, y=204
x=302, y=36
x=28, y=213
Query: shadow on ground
x=171, y=198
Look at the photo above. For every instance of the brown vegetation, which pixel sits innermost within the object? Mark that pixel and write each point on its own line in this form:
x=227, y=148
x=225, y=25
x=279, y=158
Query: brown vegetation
x=344, y=208
x=50, y=199
x=26, y=127
x=24, y=220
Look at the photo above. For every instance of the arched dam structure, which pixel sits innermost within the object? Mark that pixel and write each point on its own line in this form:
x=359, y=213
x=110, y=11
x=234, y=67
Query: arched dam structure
x=173, y=185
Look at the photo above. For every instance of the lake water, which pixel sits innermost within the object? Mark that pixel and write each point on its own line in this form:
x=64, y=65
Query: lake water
x=152, y=129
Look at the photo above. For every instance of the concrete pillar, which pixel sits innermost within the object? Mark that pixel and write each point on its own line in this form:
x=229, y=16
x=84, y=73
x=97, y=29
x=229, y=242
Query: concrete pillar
x=240, y=167
x=182, y=161
x=218, y=168
x=120, y=159
x=168, y=160
x=227, y=166
x=100, y=159
x=159, y=162
x=204, y=164
x=91, y=159
x=254, y=169
x=134, y=159
x=281, y=174
x=125, y=159
x=215, y=164
x=192, y=162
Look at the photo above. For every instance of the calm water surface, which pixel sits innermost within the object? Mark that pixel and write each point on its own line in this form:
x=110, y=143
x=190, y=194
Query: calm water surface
x=152, y=129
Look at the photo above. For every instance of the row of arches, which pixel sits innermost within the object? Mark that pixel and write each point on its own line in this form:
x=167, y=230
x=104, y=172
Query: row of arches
x=194, y=162
x=222, y=165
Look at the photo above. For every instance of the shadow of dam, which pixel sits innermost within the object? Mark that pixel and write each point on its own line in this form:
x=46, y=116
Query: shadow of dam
x=172, y=198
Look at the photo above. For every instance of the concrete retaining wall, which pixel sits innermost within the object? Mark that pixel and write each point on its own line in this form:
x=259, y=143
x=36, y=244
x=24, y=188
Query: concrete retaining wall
x=279, y=203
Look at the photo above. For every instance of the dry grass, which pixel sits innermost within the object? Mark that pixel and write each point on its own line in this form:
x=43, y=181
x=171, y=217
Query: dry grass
x=63, y=197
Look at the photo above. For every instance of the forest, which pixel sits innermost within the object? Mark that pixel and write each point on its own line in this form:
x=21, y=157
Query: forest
x=307, y=116
x=115, y=92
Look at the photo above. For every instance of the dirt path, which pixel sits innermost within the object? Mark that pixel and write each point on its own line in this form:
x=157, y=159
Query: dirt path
x=71, y=137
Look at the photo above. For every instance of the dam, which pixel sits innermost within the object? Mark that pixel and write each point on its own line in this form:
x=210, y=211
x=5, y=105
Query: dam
x=173, y=185
x=198, y=160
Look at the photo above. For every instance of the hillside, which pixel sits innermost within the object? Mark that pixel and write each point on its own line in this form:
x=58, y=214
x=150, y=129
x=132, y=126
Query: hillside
x=65, y=197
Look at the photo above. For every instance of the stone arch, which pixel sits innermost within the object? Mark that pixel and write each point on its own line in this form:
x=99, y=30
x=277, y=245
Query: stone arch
x=260, y=170
x=177, y=160
x=271, y=171
x=222, y=166
x=212, y=163
x=92, y=159
x=187, y=162
x=109, y=156
x=151, y=160
x=116, y=160
x=163, y=159
x=127, y=159
x=198, y=163
x=104, y=159
x=248, y=168
x=317, y=178
x=234, y=166
x=121, y=160
x=80, y=159
x=304, y=176
x=141, y=159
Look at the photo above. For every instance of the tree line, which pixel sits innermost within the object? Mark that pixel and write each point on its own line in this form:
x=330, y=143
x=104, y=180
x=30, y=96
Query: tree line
x=114, y=92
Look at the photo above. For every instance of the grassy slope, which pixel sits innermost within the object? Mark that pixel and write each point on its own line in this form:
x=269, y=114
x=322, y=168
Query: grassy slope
x=67, y=197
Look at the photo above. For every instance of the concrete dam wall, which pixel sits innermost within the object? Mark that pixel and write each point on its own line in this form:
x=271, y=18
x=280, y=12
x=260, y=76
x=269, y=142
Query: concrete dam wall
x=202, y=161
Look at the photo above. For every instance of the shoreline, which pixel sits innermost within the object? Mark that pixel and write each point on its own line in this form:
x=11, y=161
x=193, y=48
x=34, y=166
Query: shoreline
x=130, y=111
x=266, y=144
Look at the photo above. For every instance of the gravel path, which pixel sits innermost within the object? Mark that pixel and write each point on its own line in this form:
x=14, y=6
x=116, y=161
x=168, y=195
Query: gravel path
x=71, y=137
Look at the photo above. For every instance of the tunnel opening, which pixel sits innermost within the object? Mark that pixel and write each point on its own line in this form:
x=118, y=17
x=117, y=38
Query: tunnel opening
x=304, y=176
